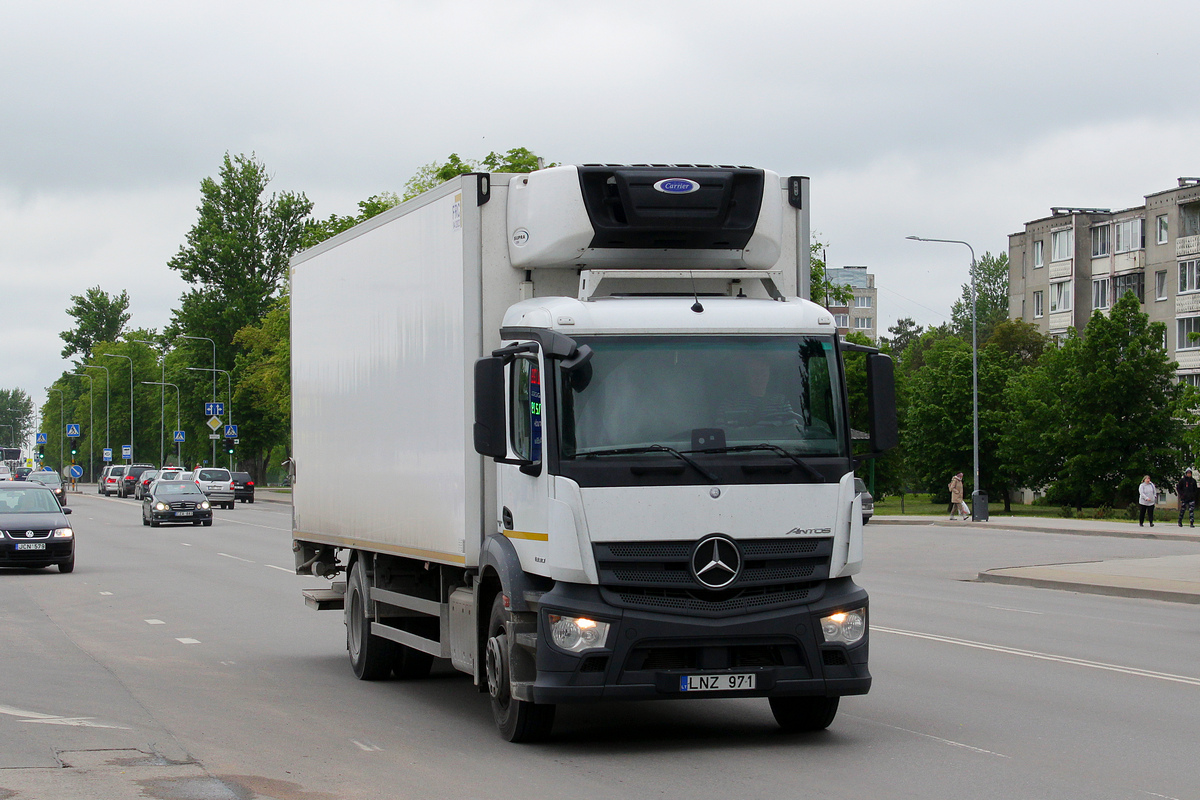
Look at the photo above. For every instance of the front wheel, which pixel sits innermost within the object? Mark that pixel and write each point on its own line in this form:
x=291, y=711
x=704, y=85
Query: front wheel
x=67, y=566
x=371, y=657
x=804, y=713
x=518, y=720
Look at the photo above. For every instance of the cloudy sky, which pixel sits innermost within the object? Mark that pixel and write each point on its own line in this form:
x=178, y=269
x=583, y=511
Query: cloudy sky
x=929, y=117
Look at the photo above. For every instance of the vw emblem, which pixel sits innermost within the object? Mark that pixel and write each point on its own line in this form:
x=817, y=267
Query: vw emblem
x=28, y=534
x=716, y=561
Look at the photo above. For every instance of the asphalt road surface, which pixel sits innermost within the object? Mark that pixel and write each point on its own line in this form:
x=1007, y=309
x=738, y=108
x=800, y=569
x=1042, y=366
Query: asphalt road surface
x=181, y=663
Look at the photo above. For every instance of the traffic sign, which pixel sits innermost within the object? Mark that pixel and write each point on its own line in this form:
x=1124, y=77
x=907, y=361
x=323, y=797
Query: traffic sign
x=75, y=471
x=108, y=454
x=179, y=436
x=214, y=409
x=41, y=439
x=230, y=431
x=214, y=436
x=126, y=451
x=214, y=423
x=73, y=430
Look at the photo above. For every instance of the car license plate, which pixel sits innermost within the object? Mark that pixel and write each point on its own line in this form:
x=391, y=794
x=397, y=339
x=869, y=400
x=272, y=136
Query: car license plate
x=716, y=683
x=183, y=513
x=31, y=545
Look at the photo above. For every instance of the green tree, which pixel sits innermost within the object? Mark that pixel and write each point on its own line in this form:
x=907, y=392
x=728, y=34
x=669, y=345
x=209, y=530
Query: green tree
x=1021, y=340
x=904, y=332
x=1099, y=412
x=318, y=231
x=519, y=159
x=16, y=412
x=991, y=301
x=99, y=317
x=264, y=387
x=822, y=290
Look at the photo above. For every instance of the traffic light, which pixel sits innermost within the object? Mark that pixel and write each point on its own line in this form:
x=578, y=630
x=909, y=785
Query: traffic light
x=229, y=446
x=73, y=451
x=41, y=450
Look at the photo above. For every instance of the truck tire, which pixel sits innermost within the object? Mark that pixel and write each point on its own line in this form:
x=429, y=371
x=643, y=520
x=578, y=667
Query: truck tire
x=804, y=713
x=371, y=656
x=517, y=720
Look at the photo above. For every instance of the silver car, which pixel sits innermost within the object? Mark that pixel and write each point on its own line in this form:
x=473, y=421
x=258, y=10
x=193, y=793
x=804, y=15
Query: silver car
x=868, y=501
x=217, y=484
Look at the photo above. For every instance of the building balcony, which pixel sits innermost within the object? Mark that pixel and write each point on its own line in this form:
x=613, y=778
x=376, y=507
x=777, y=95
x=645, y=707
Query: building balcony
x=1187, y=246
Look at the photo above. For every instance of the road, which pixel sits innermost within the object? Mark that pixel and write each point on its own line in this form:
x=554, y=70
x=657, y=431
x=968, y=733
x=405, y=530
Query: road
x=181, y=663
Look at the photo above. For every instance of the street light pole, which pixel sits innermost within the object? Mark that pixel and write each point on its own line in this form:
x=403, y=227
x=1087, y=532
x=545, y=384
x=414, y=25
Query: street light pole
x=162, y=405
x=91, y=426
x=62, y=427
x=107, y=401
x=214, y=381
x=165, y=385
x=228, y=395
x=130, y=360
x=976, y=513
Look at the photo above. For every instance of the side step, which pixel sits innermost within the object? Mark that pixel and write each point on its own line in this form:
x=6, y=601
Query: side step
x=331, y=599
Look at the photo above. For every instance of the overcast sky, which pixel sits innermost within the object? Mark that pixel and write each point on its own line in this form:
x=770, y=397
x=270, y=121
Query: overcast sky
x=942, y=119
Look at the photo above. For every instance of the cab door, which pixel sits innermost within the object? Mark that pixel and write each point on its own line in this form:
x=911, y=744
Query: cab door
x=524, y=489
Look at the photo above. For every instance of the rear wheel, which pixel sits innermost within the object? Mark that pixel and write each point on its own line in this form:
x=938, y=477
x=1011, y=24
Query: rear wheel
x=371, y=657
x=804, y=713
x=518, y=720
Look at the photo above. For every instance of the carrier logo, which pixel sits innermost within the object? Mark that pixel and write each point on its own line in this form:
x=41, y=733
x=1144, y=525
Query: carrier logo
x=716, y=562
x=808, y=531
x=677, y=186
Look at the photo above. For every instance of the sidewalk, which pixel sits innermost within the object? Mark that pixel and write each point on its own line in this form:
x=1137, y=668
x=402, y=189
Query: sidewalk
x=1171, y=578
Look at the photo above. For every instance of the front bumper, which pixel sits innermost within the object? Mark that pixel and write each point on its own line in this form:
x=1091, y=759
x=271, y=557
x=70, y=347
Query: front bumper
x=57, y=551
x=647, y=654
x=182, y=517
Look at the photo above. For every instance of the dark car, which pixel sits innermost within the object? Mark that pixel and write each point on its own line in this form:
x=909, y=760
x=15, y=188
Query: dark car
x=868, y=502
x=128, y=483
x=34, y=530
x=142, y=485
x=177, y=502
x=243, y=487
x=110, y=481
x=21, y=472
x=50, y=480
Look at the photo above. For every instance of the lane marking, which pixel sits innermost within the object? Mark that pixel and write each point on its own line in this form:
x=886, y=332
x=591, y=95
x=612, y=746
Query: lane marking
x=185, y=544
x=929, y=736
x=106, y=594
x=237, y=558
x=1154, y=794
x=155, y=622
x=1018, y=610
x=1016, y=651
x=253, y=525
x=282, y=569
x=185, y=640
x=368, y=747
x=51, y=719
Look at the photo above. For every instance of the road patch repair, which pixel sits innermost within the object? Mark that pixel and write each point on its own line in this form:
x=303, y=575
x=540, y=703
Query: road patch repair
x=1172, y=578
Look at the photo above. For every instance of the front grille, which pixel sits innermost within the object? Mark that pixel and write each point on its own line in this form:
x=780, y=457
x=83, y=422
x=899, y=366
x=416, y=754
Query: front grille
x=182, y=506
x=730, y=656
x=19, y=535
x=658, y=575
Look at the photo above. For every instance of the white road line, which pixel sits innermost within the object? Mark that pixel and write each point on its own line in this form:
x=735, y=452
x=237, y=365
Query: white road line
x=185, y=544
x=155, y=622
x=282, y=569
x=1153, y=794
x=50, y=719
x=1014, y=651
x=185, y=640
x=1018, y=610
x=368, y=747
x=236, y=558
x=928, y=736
x=252, y=525
x=106, y=594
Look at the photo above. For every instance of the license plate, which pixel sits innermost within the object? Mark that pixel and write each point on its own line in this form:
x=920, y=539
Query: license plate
x=31, y=545
x=716, y=683
x=183, y=513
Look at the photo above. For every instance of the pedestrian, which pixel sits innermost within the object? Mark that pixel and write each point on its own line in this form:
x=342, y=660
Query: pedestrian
x=1147, y=498
x=956, y=497
x=1185, y=490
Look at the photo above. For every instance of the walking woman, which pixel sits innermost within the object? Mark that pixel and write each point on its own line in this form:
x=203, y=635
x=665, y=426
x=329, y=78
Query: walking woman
x=1147, y=498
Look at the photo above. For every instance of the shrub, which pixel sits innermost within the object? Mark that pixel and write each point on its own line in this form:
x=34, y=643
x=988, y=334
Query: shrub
x=1067, y=512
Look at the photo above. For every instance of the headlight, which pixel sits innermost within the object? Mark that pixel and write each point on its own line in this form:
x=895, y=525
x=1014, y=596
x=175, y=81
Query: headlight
x=846, y=627
x=576, y=634
x=204, y=504
x=160, y=506
x=63, y=533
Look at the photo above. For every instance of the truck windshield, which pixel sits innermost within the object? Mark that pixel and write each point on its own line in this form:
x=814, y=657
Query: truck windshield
x=698, y=393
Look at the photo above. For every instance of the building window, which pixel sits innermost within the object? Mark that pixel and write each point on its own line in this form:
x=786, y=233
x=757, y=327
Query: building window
x=862, y=323
x=1099, y=241
x=1183, y=328
x=1060, y=297
x=1037, y=305
x=1162, y=229
x=1131, y=235
x=1062, y=243
x=1038, y=261
x=1135, y=282
x=1192, y=380
x=1100, y=293
x=841, y=320
x=1187, y=276
x=862, y=302
x=1160, y=285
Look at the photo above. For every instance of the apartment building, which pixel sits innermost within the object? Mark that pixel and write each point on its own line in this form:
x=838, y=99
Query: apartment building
x=860, y=315
x=1079, y=260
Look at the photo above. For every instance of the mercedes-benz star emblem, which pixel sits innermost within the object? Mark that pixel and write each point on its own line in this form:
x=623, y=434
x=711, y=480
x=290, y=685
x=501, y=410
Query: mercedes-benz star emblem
x=716, y=562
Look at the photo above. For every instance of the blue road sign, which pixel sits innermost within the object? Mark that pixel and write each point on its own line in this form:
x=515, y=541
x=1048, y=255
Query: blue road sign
x=41, y=439
x=179, y=436
x=108, y=454
x=214, y=409
x=126, y=451
x=73, y=429
x=75, y=471
x=230, y=431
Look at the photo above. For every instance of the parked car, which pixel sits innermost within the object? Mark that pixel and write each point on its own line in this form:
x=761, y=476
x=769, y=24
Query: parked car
x=868, y=501
x=175, y=501
x=217, y=484
x=143, y=483
x=243, y=487
x=110, y=481
x=34, y=530
x=52, y=481
x=129, y=480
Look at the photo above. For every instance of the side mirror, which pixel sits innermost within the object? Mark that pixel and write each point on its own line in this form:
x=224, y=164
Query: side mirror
x=881, y=402
x=66, y=510
x=489, y=427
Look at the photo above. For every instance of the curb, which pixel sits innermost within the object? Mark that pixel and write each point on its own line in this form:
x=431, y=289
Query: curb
x=1091, y=588
x=999, y=525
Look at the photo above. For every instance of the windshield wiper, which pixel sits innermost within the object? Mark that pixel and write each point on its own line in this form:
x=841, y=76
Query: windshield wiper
x=774, y=448
x=654, y=448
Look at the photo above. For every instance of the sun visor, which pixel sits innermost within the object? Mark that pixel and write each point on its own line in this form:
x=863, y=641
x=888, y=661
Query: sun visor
x=645, y=216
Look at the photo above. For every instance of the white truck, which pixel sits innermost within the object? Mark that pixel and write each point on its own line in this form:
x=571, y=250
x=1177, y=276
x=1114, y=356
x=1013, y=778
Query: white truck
x=577, y=432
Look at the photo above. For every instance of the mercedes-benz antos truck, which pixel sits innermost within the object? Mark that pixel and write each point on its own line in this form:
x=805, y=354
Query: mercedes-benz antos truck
x=579, y=432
